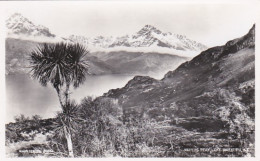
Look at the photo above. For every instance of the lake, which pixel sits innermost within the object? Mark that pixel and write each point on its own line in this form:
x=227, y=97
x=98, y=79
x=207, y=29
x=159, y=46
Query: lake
x=26, y=96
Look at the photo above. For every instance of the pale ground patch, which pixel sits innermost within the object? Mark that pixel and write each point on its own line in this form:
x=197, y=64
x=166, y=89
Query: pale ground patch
x=13, y=147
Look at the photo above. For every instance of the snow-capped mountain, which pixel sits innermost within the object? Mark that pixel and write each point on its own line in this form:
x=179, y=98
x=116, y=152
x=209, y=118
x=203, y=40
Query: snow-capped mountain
x=151, y=36
x=20, y=27
x=148, y=39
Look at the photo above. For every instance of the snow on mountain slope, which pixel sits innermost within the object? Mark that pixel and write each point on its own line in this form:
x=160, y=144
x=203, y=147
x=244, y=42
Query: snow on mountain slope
x=20, y=27
x=148, y=39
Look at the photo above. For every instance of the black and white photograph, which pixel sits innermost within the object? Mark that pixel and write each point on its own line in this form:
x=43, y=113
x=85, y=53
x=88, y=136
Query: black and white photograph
x=129, y=79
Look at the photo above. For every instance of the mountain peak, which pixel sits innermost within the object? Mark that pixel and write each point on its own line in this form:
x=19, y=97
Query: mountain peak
x=17, y=15
x=17, y=24
x=148, y=29
x=15, y=19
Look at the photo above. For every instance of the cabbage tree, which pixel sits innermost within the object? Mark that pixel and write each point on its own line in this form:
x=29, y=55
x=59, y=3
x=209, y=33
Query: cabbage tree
x=62, y=65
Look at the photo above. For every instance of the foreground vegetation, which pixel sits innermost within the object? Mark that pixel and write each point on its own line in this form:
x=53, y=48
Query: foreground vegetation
x=103, y=129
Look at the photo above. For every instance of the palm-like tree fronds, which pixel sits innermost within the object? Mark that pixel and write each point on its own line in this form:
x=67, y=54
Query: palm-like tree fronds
x=68, y=118
x=59, y=63
x=78, y=65
x=49, y=64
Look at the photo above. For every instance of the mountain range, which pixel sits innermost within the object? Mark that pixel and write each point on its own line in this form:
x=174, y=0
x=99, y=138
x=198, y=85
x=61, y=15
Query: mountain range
x=147, y=39
x=146, y=52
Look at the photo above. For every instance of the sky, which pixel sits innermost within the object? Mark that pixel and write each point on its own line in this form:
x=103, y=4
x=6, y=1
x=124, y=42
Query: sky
x=211, y=24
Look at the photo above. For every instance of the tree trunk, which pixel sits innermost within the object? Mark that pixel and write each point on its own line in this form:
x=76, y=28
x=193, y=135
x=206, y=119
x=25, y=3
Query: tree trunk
x=67, y=93
x=69, y=141
x=60, y=97
x=63, y=102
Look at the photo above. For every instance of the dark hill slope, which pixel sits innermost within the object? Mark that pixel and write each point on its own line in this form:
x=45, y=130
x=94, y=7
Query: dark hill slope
x=198, y=87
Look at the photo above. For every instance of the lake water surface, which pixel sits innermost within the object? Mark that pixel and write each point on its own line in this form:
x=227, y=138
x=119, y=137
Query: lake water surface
x=28, y=97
